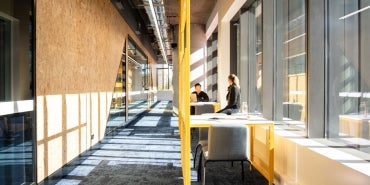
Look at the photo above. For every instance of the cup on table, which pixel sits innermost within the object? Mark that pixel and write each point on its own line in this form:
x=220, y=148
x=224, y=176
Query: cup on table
x=244, y=108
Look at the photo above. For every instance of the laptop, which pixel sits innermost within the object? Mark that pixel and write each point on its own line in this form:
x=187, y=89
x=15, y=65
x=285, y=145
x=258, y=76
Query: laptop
x=193, y=97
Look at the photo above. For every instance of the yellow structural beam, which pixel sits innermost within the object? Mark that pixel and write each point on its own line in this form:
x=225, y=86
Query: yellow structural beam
x=183, y=88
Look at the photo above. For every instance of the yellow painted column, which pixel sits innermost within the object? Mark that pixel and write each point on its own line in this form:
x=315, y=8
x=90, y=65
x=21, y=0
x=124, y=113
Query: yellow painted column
x=184, y=91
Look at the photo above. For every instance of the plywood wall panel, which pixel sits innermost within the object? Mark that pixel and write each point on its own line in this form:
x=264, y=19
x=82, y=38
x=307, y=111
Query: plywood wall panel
x=78, y=50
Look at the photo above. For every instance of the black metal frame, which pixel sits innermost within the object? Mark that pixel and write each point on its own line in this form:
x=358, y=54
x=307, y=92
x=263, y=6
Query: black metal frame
x=232, y=163
x=196, y=151
x=34, y=132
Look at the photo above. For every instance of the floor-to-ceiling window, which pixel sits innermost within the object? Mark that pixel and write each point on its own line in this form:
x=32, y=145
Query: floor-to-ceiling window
x=249, y=54
x=17, y=159
x=131, y=95
x=164, y=76
x=148, y=82
x=137, y=96
x=117, y=112
x=291, y=16
x=258, y=57
x=349, y=72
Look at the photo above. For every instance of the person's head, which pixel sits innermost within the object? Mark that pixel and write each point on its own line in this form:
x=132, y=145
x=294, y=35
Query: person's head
x=198, y=87
x=233, y=79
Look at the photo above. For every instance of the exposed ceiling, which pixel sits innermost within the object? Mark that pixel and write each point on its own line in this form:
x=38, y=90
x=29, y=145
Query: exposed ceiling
x=137, y=14
x=200, y=11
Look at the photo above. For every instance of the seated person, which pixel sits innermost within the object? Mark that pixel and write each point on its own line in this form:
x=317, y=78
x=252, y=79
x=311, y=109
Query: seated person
x=201, y=95
x=197, y=96
x=233, y=96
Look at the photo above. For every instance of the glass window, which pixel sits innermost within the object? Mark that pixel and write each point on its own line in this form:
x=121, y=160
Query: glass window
x=160, y=80
x=349, y=73
x=131, y=91
x=164, y=76
x=293, y=61
x=117, y=112
x=258, y=54
x=5, y=62
x=137, y=96
x=249, y=55
x=17, y=159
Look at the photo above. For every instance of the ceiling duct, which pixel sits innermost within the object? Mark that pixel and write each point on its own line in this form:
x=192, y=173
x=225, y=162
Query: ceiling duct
x=156, y=13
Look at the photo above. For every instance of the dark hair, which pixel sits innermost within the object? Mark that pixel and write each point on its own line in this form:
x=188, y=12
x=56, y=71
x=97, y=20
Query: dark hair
x=197, y=84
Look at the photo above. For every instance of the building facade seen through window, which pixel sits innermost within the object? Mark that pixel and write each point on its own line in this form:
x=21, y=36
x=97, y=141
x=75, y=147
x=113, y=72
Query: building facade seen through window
x=164, y=76
x=349, y=73
x=292, y=17
x=249, y=55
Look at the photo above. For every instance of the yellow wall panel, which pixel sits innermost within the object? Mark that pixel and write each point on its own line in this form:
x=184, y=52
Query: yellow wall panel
x=184, y=91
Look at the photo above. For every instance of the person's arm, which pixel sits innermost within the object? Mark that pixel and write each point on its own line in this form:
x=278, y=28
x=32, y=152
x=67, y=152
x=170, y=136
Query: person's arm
x=205, y=97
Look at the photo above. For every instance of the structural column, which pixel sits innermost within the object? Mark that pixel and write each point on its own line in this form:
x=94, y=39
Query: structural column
x=316, y=68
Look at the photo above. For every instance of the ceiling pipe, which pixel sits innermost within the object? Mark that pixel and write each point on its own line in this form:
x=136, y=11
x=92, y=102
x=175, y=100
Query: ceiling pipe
x=157, y=16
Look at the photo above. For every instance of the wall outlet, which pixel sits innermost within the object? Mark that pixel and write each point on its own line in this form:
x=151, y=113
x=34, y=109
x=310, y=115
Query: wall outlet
x=92, y=136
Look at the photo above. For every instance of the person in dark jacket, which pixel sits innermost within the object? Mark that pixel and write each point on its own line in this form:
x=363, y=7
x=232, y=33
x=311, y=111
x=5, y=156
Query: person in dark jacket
x=233, y=96
x=201, y=95
x=198, y=96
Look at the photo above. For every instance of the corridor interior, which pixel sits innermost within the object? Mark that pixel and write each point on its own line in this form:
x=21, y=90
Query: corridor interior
x=147, y=151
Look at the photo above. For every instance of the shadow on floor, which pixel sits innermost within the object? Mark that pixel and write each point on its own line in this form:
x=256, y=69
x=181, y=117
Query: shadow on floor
x=147, y=151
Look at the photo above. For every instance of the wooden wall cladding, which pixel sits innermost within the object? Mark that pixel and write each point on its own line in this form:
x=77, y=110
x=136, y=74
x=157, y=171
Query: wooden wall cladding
x=79, y=45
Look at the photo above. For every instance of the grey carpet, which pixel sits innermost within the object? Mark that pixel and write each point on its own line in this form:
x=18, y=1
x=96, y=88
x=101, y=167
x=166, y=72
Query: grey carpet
x=134, y=174
x=147, y=151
